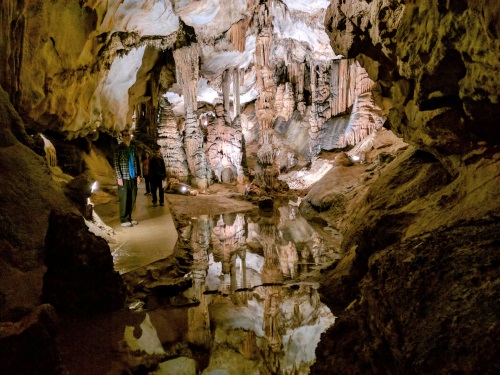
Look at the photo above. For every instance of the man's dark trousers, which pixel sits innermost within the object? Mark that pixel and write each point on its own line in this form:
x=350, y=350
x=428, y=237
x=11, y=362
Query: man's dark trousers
x=126, y=196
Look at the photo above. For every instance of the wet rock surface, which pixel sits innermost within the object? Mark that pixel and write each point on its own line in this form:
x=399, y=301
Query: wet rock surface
x=80, y=277
x=424, y=306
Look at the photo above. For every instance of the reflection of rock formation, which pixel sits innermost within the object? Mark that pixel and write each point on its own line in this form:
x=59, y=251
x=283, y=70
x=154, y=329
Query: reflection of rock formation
x=316, y=247
x=271, y=273
x=256, y=322
x=143, y=337
x=273, y=321
x=227, y=236
x=288, y=259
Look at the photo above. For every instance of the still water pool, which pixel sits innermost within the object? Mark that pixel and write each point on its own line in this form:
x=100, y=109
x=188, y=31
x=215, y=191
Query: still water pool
x=252, y=306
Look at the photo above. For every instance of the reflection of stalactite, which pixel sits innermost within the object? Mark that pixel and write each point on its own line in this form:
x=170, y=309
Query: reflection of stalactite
x=240, y=295
x=317, y=247
x=271, y=272
x=249, y=345
x=169, y=139
x=272, y=318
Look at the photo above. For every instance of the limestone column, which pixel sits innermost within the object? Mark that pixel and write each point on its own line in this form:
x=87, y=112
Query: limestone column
x=187, y=73
x=169, y=139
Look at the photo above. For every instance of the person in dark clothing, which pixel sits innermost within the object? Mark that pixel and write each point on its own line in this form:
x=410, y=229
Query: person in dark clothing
x=157, y=173
x=145, y=172
x=128, y=169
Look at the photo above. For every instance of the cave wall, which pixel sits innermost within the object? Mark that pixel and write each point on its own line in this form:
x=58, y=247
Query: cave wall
x=417, y=289
x=75, y=81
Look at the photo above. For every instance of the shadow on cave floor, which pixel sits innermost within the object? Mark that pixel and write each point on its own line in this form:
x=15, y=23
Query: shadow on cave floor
x=154, y=238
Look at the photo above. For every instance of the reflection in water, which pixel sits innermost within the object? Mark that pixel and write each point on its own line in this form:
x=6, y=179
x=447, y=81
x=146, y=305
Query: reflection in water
x=257, y=313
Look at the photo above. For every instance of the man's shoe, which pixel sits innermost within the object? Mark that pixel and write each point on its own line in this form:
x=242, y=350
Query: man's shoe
x=146, y=193
x=161, y=204
x=134, y=222
x=155, y=204
x=126, y=224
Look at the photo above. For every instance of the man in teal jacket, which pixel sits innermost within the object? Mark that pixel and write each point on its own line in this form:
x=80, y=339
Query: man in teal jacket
x=128, y=169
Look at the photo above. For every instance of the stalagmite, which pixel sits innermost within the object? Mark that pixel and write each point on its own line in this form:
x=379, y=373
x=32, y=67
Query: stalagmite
x=224, y=148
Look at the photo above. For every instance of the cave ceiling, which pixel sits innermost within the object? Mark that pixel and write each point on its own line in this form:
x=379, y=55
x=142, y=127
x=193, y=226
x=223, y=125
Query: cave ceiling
x=88, y=65
x=79, y=67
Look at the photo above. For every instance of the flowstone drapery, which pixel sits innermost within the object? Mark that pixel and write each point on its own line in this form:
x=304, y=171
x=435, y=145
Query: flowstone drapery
x=337, y=87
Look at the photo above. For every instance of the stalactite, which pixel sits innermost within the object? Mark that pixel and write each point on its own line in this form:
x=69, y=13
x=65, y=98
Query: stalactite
x=316, y=122
x=265, y=82
x=278, y=101
x=236, y=92
x=296, y=74
x=193, y=143
x=187, y=73
x=226, y=85
x=50, y=152
x=237, y=34
x=363, y=83
x=348, y=80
